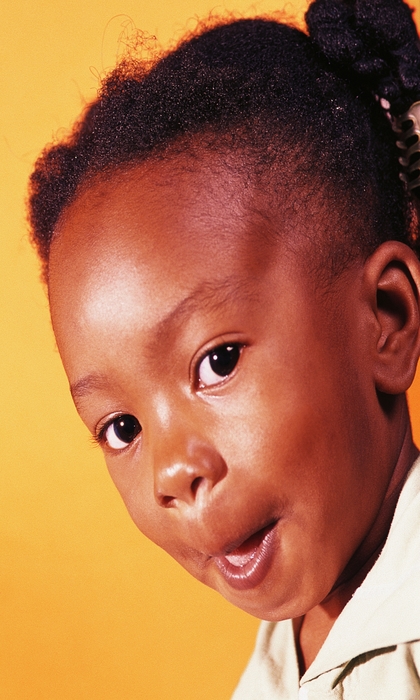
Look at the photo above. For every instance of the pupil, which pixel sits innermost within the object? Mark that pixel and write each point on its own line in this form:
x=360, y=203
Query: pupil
x=126, y=428
x=223, y=360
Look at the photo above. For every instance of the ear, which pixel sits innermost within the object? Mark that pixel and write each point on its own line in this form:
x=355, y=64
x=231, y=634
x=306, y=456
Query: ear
x=392, y=276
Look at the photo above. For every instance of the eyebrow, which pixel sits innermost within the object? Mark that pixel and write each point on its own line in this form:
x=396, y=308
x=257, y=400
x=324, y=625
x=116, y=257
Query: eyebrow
x=210, y=295
x=88, y=384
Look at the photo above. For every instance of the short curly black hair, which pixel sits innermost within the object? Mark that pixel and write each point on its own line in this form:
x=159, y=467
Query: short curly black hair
x=310, y=104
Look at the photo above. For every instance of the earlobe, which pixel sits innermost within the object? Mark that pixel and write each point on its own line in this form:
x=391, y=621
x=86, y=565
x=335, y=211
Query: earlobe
x=393, y=272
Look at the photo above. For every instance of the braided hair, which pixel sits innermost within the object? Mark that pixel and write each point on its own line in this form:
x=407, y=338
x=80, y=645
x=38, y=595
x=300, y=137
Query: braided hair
x=300, y=109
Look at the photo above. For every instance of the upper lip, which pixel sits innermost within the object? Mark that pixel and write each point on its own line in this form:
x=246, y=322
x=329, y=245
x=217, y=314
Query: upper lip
x=235, y=544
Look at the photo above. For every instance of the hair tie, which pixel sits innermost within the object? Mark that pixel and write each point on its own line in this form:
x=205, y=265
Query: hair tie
x=407, y=126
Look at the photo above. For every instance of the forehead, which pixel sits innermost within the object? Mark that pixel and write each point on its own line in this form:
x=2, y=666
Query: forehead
x=158, y=209
x=154, y=237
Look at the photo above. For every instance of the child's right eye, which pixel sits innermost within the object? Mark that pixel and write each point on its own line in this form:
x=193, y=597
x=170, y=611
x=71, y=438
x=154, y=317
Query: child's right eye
x=120, y=432
x=218, y=364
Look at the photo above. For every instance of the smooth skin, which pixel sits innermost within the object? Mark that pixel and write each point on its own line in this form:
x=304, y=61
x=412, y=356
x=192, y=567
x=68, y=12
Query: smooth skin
x=308, y=433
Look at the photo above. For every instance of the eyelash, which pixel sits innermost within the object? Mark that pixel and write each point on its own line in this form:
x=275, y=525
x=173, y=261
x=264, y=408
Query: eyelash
x=99, y=436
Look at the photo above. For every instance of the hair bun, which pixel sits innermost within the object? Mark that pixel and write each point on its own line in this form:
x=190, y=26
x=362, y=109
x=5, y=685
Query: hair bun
x=373, y=42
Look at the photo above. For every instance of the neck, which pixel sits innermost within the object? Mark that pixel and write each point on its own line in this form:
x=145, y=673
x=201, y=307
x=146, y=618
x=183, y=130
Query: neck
x=312, y=629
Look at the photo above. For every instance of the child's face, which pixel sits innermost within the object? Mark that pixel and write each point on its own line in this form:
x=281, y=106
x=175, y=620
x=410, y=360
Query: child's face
x=176, y=307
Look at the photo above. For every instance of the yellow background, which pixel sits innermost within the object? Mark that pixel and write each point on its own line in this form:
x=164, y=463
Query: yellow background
x=89, y=609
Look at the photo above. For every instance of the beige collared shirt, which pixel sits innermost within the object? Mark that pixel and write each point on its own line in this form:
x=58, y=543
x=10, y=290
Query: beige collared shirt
x=373, y=650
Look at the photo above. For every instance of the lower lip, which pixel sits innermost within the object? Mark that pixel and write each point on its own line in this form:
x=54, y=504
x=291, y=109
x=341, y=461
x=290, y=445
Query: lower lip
x=254, y=570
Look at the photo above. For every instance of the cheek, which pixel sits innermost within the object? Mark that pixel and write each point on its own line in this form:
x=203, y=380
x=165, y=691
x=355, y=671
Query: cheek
x=301, y=444
x=136, y=490
x=134, y=484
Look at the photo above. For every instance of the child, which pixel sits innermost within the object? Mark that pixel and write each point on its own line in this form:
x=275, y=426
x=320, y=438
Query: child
x=230, y=257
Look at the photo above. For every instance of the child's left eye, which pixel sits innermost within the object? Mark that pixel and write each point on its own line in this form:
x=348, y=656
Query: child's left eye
x=218, y=364
x=121, y=431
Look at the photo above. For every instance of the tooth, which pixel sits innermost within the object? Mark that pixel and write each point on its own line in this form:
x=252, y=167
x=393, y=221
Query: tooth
x=239, y=559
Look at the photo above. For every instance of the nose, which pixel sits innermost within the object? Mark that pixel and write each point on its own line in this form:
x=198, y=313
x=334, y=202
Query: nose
x=186, y=470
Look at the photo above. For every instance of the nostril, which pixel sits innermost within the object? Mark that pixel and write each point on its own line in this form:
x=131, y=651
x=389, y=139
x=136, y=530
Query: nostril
x=195, y=484
x=167, y=501
x=171, y=501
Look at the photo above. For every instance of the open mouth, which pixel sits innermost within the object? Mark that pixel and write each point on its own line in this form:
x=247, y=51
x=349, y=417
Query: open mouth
x=247, y=565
